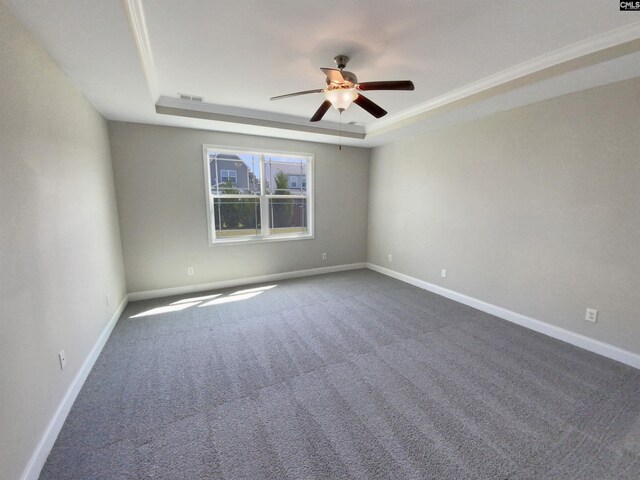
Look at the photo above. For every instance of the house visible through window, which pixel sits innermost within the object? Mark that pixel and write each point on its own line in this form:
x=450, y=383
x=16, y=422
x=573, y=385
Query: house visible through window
x=257, y=196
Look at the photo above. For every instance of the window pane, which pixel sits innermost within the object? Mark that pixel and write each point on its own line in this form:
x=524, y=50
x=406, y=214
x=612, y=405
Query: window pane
x=234, y=173
x=288, y=215
x=283, y=175
x=236, y=217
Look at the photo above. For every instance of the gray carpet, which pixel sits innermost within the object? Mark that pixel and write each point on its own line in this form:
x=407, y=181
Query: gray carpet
x=348, y=375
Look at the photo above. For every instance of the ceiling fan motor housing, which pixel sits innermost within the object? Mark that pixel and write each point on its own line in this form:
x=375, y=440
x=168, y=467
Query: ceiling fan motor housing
x=350, y=80
x=349, y=77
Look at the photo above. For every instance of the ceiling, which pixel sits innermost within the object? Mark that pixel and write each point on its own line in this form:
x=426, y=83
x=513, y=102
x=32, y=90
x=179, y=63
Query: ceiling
x=467, y=59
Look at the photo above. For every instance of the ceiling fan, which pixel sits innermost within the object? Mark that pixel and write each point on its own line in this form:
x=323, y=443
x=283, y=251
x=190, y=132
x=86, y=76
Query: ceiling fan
x=343, y=89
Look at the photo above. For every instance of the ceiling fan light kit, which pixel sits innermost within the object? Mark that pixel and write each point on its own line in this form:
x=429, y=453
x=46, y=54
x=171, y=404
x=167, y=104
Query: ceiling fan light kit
x=341, y=98
x=343, y=89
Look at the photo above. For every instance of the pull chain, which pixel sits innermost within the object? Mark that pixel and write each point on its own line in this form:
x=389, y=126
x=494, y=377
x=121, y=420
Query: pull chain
x=340, y=146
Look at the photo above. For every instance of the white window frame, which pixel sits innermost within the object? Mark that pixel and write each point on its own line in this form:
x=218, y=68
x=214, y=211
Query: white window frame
x=264, y=235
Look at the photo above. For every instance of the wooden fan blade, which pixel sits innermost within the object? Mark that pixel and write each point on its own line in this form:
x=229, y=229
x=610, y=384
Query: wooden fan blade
x=390, y=85
x=295, y=94
x=366, y=104
x=333, y=74
x=321, y=111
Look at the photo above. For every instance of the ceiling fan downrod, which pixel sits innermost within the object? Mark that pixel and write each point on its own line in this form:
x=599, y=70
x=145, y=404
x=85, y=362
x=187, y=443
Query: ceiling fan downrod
x=341, y=61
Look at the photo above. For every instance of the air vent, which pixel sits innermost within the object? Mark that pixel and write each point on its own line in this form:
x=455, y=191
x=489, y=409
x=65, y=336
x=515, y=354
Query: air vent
x=191, y=98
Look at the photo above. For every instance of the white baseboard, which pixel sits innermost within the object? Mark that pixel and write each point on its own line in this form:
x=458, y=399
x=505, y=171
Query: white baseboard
x=201, y=287
x=39, y=457
x=577, y=339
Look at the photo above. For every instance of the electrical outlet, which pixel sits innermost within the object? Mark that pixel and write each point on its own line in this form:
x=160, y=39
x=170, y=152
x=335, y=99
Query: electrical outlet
x=389, y=258
x=443, y=273
x=189, y=270
x=324, y=256
x=63, y=359
x=591, y=315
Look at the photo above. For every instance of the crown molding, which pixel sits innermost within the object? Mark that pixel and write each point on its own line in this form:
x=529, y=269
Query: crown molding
x=603, y=47
x=135, y=14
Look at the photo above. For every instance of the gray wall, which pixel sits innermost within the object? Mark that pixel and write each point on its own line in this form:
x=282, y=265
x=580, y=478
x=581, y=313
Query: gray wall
x=60, y=251
x=160, y=187
x=536, y=210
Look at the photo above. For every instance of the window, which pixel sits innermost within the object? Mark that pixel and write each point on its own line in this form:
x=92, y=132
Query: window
x=298, y=181
x=257, y=196
x=228, y=176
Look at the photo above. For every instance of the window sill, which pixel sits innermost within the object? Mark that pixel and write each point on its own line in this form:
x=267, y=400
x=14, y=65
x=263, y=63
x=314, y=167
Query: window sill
x=253, y=241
